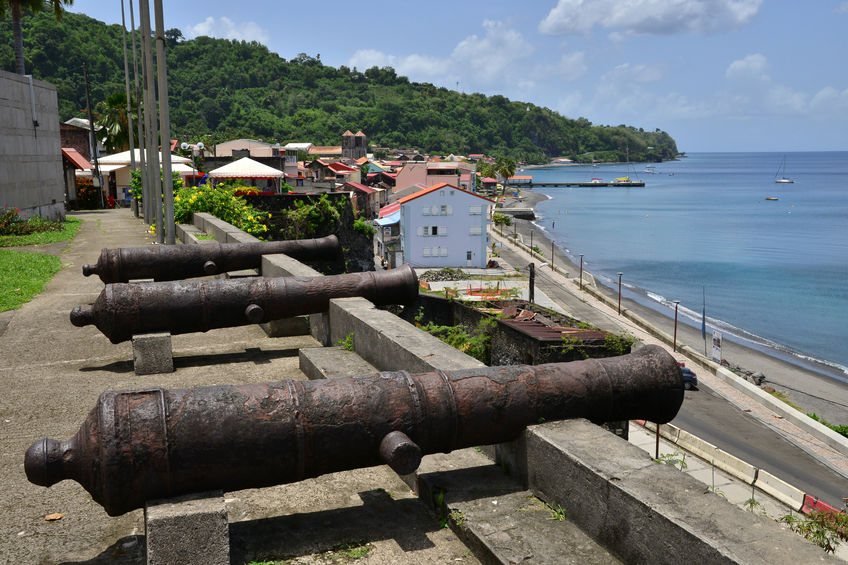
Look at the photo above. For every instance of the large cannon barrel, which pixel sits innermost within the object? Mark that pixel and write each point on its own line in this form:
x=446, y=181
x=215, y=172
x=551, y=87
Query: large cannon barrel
x=123, y=310
x=153, y=443
x=175, y=262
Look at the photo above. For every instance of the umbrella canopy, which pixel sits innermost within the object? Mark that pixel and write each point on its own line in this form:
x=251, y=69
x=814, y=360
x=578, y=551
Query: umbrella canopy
x=123, y=158
x=246, y=168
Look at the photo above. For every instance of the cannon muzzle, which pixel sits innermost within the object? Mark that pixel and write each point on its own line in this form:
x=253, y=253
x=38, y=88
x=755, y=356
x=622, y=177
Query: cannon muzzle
x=154, y=443
x=123, y=310
x=176, y=262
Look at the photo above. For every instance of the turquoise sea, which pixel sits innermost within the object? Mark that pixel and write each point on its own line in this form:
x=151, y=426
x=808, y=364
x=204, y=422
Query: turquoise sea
x=774, y=272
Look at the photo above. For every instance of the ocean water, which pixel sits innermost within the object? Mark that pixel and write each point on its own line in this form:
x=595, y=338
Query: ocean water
x=774, y=273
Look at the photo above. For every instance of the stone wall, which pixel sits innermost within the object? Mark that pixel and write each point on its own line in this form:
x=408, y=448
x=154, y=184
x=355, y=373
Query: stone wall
x=30, y=156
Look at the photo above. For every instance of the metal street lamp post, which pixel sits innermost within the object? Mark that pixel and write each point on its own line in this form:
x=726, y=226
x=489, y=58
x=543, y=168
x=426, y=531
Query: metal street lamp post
x=581, y=271
x=676, y=304
x=619, y=293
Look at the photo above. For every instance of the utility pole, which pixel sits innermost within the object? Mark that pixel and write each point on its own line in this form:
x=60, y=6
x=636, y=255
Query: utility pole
x=164, y=126
x=133, y=203
x=96, y=181
x=154, y=174
x=145, y=182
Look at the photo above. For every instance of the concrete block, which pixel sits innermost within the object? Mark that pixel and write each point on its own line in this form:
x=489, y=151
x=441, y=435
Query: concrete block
x=332, y=362
x=287, y=327
x=644, y=512
x=240, y=237
x=390, y=343
x=187, y=233
x=153, y=353
x=189, y=530
x=780, y=489
x=281, y=265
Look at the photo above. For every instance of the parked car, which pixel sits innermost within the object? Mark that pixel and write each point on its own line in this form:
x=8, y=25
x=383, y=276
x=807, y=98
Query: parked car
x=690, y=379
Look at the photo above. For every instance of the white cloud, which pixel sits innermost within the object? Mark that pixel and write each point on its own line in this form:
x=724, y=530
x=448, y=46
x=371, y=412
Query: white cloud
x=842, y=8
x=626, y=73
x=571, y=105
x=226, y=28
x=572, y=66
x=751, y=67
x=648, y=17
x=830, y=103
x=487, y=59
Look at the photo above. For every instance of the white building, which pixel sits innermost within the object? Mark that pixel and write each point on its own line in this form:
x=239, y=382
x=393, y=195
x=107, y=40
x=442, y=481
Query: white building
x=444, y=226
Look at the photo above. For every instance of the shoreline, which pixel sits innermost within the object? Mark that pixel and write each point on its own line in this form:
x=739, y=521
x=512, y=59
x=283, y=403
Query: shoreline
x=814, y=387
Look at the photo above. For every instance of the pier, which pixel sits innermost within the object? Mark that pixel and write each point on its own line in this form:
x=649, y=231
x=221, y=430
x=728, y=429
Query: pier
x=584, y=184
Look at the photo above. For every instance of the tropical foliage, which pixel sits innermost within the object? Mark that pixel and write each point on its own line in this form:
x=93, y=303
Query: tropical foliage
x=222, y=203
x=229, y=89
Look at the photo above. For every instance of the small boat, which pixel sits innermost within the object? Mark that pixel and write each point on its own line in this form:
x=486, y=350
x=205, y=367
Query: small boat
x=772, y=197
x=596, y=180
x=782, y=172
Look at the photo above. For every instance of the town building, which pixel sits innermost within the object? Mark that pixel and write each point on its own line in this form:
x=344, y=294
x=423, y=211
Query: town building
x=444, y=226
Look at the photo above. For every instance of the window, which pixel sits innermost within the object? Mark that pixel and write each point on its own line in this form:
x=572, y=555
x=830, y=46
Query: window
x=475, y=210
x=475, y=230
x=434, y=230
x=425, y=251
x=434, y=210
x=444, y=210
x=468, y=256
x=443, y=230
x=426, y=211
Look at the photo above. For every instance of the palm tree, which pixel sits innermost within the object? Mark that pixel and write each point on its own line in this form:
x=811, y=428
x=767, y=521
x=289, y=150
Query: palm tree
x=505, y=167
x=112, y=116
x=16, y=7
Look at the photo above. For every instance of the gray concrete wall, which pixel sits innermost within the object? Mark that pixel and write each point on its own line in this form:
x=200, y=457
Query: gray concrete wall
x=30, y=157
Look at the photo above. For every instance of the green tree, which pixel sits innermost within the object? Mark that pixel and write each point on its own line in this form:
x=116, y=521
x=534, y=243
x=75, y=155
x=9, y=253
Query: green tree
x=17, y=7
x=112, y=116
x=505, y=167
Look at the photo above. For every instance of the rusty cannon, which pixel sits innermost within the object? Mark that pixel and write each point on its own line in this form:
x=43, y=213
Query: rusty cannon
x=123, y=310
x=176, y=262
x=152, y=443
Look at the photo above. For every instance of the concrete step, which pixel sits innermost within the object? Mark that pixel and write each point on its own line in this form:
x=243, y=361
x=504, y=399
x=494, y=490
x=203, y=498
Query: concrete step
x=496, y=517
x=333, y=362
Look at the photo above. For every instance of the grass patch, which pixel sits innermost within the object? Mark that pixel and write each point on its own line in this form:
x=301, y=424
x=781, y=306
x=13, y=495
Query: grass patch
x=68, y=231
x=204, y=236
x=23, y=275
x=782, y=396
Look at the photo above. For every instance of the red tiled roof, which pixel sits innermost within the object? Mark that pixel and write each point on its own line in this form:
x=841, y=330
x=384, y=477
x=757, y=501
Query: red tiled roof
x=359, y=186
x=76, y=158
x=489, y=179
x=390, y=209
x=465, y=176
x=341, y=168
x=436, y=187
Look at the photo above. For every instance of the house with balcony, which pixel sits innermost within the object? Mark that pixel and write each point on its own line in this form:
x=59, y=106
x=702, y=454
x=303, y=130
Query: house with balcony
x=444, y=226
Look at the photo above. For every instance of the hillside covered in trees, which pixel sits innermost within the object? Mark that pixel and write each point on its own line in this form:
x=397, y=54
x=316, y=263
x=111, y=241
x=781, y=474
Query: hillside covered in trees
x=240, y=89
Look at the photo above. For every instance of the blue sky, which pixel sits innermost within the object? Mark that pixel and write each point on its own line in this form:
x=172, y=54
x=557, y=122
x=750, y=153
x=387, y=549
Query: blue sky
x=718, y=75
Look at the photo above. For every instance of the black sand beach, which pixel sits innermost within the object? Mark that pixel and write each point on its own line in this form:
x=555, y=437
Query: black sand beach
x=809, y=387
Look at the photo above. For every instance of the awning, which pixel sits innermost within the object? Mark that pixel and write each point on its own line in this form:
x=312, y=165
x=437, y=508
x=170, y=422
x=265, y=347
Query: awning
x=246, y=168
x=76, y=158
x=392, y=218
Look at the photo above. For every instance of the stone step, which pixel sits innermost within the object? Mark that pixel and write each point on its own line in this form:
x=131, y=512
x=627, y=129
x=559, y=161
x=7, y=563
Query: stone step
x=496, y=517
x=333, y=362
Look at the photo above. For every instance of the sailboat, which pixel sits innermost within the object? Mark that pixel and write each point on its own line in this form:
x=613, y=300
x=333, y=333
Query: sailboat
x=782, y=172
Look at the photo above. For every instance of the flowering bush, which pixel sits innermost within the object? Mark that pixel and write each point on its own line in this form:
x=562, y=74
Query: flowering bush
x=222, y=203
x=88, y=197
x=11, y=223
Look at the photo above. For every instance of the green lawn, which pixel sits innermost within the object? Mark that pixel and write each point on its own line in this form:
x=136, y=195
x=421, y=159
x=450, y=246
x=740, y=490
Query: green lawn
x=71, y=227
x=23, y=275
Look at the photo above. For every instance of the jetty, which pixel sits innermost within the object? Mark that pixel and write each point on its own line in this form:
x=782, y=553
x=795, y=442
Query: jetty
x=601, y=184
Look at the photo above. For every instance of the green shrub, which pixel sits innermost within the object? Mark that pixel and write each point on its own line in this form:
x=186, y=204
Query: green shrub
x=309, y=219
x=11, y=223
x=363, y=227
x=222, y=203
x=840, y=429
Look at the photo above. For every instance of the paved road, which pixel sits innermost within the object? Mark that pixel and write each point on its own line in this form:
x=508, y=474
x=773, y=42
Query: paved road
x=707, y=415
